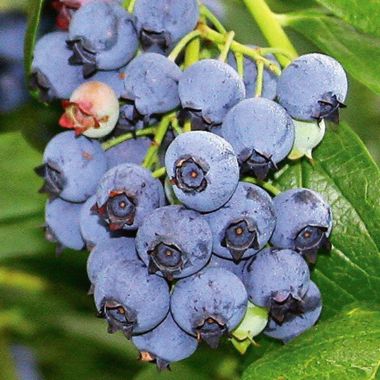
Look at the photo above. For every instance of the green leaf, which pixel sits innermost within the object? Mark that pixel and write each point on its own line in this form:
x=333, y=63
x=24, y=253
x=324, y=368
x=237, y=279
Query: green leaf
x=364, y=15
x=346, y=176
x=345, y=347
x=34, y=17
x=359, y=53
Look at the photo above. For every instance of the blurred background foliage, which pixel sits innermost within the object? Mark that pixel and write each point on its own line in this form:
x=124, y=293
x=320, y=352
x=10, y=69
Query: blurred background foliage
x=43, y=301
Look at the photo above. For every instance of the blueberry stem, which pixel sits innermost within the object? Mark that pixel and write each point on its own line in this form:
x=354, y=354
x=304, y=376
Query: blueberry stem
x=159, y=172
x=240, y=64
x=157, y=140
x=128, y=136
x=187, y=126
x=260, y=78
x=131, y=6
x=265, y=185
x=271, y=29
x=227, y=46
x=182, y=43
x=176, y=127
x=192, y=52
x=204, y=11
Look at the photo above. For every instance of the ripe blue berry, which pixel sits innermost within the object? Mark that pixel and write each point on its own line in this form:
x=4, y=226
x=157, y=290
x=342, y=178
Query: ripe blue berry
x=132, y=151
x=72, y=167
x=102, y=36
x=162, y=23
x=261, y=133
x=108, y=252
x=62, y=224
x=235, y=268
x=130, y=299
x=209, y=304
x=174, y=242
x=250, y=76
x=313, y=87
x=151, y=83
x=296, y=324
x=203, y=168
x=277, y=279
x=304, y=222
x=208, y=90
x=244, y=224
x=165, y=344
x=126, y=194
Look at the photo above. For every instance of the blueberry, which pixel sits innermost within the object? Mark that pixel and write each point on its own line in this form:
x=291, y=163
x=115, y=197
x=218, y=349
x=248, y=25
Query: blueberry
x=174, y=242
x=294, y=324
x=235, y=268
x=126, y=194
x=208, y=89
x=162, y=23
x=130, y=299
x=13, y=92
x=12, y=32
x=277, y=279
x=244, y=224
x=132, y=151
x=102, y=36
x=203, y=168
x=108, y=252
x=92, y=228
x=261, y=133
x=250, y=76
x=313, y=87
x=112, y=78
x=72, y=167
x=62, y=224
x=50, y=65
x=304, y=222
x=151, y=83
x=209, y=304
x=165, y=344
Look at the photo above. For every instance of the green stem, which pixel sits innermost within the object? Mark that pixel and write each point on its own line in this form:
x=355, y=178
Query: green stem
x=182, y=43
x=240, y=64
x=159, y=173
x=212, y=18
x=265, y=185
x=131, y=6
x=227, y=46
x=7, y=368
x=158, y=137
x=128, y=136
x=176, y=127
x=271, y=29
x=259, y=78
x=219, y=38
x=192, y=52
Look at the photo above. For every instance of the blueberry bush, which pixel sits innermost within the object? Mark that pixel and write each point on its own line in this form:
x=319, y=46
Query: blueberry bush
x=199, y=122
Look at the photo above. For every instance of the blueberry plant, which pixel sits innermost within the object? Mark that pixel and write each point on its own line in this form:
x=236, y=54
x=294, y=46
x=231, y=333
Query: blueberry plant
x=210, y=186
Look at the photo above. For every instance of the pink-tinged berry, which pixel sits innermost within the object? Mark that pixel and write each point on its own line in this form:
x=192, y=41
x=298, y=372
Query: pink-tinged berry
x=92, y=110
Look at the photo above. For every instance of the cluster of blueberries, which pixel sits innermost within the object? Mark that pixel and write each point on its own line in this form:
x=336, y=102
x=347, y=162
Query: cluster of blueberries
x=177, y=261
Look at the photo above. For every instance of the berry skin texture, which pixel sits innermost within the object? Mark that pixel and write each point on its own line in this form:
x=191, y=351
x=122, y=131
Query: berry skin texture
x=72, y=167
x=174, y=242
x=109, y=251
x=151, y=82
x=209, y=304
x=102, y=36
x=261, y=134
x=250, y=75
x=132, y=151
x=235, y=268
x=165, y=344
x=93, y=110
x=304, y=222
x=126, y=194
x=208, y=89
x=295, y=325
x=244, y=224
x=93, y=229
x=62, y=224
x=161, y=23
x=130, y=299
x=313, y=87
x=277, y=279
x=203, y=169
